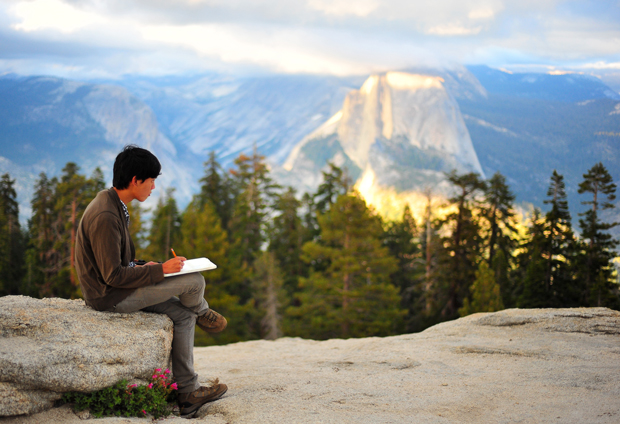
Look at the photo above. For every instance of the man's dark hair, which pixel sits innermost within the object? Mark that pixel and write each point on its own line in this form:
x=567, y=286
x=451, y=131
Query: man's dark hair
x=137, y=162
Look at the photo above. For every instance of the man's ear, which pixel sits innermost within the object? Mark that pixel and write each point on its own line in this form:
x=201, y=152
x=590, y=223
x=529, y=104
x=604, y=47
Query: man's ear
x=134, y=180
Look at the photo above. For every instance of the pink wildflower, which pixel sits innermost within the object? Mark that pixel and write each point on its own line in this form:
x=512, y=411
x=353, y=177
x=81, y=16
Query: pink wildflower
x=154, y=377
x=133, y=385
x=144, y=412
x=158, y=370
x=173, y=386
x=167, y=371
x=150, y=386
x=162, y=376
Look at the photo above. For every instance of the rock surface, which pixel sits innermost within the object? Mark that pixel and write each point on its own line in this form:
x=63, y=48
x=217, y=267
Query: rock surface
x=51, y=346
x=514, y=366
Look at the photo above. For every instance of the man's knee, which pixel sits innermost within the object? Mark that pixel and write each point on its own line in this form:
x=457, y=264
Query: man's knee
x=197, y=281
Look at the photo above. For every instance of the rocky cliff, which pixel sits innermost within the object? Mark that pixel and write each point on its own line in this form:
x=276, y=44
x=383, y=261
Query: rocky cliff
x=400, y=132
x=525, y=366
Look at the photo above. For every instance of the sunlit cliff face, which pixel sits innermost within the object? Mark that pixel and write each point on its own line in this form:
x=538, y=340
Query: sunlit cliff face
x=401, y=131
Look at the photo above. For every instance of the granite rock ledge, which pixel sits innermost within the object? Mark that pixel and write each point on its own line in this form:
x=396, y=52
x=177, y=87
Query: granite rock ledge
x=52, y=346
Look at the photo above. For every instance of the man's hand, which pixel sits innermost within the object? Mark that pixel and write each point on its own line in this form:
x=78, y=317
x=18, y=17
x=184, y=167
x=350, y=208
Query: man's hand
x=173, y=265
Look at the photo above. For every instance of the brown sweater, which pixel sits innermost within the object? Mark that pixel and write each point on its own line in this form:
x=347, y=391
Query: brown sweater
x=103, y=250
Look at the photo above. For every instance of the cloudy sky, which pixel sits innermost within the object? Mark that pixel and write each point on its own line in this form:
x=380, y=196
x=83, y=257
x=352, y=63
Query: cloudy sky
x=109, y=38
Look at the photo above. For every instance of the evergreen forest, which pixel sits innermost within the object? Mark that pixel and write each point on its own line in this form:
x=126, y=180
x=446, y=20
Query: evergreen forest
x=326, y=265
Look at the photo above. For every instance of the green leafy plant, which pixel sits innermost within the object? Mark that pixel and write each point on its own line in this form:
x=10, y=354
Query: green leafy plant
x=129, y=400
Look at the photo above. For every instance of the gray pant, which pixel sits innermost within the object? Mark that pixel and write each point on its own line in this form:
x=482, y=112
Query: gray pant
x=182, y=310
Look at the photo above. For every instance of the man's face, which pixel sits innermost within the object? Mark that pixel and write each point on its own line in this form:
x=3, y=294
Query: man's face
x=144, y=188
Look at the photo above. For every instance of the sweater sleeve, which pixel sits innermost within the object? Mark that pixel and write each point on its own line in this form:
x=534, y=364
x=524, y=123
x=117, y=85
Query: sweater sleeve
x=106, y=242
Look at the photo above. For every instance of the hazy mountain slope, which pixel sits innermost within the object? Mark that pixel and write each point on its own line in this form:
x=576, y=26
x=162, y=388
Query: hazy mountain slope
x=47, y=122
x=567, y=123
x=569, y=87
x=230, y=114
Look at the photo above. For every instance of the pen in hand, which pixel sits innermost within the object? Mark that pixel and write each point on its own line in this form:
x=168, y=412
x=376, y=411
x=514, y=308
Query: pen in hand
x=173, y=265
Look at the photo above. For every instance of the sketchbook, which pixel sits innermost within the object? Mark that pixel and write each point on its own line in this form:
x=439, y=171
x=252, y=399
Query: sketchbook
x=194, y=265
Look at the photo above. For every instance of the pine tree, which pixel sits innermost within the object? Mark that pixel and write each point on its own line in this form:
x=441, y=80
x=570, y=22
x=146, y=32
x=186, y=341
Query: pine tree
x=596, y=268
x=256, y=195
x=250, y=220
x=498, y=212
x=41, y=255
x=203, y=235
x=286, y=238
x=72, y=195
x=215, y=188
x=267, y=285
x=402, y=240
x=457, y=260
x=532, y=266
x=559, y=246
x=137, y=228
x=431, y=244
x=165, y=228
x=485, y=293
x=11, y=239
x=335, y=183
x=96, y=183
x=348, y=294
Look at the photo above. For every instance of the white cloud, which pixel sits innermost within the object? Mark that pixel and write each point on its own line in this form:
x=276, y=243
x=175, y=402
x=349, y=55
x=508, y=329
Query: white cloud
x=482, y=14
x=359, y=8
x=279, y=51
x=600, y=65
x=314, y=36
x=53, y=14
x=453, y=29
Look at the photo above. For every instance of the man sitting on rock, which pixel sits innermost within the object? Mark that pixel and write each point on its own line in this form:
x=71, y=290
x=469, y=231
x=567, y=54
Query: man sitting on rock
x=111, y=281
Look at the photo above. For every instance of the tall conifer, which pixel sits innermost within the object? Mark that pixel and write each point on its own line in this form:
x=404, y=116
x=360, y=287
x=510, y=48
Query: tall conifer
x=351, y=294
x=40, y=256
x=402, y=239
x=335, y=183
x=11, y=239
x=457, y=261
x=598, y=245
x=287, y=236
x=215, y=187
x=559, y=247
x=165, y=230
x=73, y=193
x=498, y=211
x=267, y=285
x=484, y=292
x=203, y=235
x=256, y=196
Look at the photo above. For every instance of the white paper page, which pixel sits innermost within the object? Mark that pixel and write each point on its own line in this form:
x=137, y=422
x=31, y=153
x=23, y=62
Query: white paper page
x=194, y=265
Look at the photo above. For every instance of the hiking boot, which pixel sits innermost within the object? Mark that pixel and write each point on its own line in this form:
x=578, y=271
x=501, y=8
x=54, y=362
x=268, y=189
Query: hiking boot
x=191, y=402
x=211, y=322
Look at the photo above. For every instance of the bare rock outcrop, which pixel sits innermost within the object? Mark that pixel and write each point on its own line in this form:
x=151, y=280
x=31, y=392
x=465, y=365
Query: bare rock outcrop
x=513, y=366
x=52, y=346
